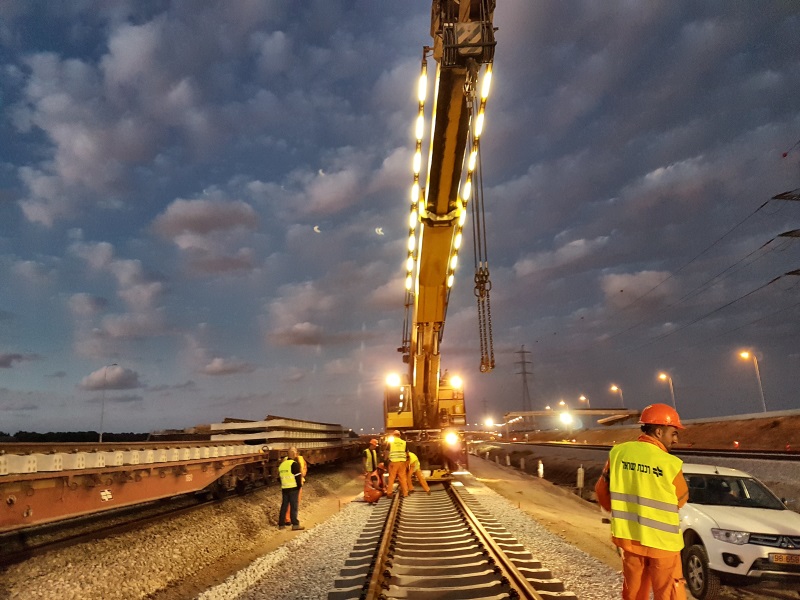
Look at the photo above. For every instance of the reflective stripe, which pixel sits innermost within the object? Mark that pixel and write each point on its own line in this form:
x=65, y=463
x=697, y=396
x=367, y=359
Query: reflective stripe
x=644, y=507
x=372, y=459
x=644, y=501
x=397, y=451
x=288, y=479
x=652, y=523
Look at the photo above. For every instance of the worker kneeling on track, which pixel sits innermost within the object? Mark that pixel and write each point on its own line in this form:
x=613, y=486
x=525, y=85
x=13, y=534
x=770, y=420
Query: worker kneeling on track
x=398, y=464
x=374, y=487
x=643, y=487
x=414, y=468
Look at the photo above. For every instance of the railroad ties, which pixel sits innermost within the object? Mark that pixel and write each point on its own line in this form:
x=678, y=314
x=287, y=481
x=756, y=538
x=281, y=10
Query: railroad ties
x=443, y=546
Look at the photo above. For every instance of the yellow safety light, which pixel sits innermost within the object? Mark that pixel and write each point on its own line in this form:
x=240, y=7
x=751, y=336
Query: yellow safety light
x=420, y=128
x=456, y=382
x=422, y=86
x=451, y=438
x=412, y=219
x=457, y=241
x=417, y=162
x=393, y=380
x=450, y=279
x=415, y=193
x=467, y=191
x=453, y=262
x=473, y=159
x=462, y=218
x=487, y=82
x=409, y=282
x=410, y=263
x=412, y=242
x=479, y=125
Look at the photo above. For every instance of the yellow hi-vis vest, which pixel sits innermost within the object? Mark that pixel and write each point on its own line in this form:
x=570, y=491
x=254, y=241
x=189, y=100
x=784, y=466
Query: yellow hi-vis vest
x=372, y=459
x=644, y=507
x=288, y=479
x=397, y=450
x=413, y=462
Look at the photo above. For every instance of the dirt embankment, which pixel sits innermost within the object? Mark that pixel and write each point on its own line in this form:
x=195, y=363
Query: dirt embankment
x=768, y=433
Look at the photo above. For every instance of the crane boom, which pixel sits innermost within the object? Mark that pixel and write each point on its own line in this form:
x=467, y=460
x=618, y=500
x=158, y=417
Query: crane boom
x=425, y=402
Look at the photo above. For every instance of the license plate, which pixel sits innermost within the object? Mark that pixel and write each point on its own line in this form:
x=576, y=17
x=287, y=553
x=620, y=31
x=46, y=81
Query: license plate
x=785, y=559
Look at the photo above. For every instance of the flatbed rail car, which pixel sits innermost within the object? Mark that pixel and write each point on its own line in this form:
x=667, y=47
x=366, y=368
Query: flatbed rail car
x=43, y=483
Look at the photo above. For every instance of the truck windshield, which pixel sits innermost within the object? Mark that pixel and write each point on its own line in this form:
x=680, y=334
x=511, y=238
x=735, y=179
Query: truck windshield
x=722, y=490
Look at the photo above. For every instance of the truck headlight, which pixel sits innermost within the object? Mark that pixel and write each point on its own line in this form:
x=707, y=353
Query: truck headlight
x=451, y=438
x=730, y=536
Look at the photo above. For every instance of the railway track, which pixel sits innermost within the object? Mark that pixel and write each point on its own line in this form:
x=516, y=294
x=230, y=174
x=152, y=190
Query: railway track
x=441, y=546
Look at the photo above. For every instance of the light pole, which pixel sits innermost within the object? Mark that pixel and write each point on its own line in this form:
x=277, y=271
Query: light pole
x=585, y=399
x=665, y=377
x=615, y=388
x=103, y=400
x=745, y=355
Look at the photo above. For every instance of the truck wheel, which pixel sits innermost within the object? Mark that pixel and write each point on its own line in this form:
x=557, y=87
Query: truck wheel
x=703, y=583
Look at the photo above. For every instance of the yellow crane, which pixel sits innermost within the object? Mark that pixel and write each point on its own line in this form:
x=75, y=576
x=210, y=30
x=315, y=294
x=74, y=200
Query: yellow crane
x=424, y=403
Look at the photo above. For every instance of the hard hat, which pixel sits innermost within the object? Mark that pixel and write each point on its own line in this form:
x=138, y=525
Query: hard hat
x=373, y=441
x=660, y=414
x=396, y=433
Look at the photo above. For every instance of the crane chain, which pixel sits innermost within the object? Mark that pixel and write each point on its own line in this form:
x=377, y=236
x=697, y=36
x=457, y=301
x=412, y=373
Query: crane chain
x=483, y=286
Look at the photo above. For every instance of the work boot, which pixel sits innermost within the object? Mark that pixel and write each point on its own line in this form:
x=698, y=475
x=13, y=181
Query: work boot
x=297, y=527
x=281, y=526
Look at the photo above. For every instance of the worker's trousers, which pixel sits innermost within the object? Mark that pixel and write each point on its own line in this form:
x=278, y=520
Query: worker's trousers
x=398, y=470
x=663, y=576
x=420, y=478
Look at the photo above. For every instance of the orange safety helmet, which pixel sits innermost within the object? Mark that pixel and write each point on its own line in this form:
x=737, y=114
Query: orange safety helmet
x=660, y=414
x=373, y=441
x=396, y=433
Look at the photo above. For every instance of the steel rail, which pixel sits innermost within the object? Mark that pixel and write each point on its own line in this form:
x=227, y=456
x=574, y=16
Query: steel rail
x=374, y=585
x=508, y=569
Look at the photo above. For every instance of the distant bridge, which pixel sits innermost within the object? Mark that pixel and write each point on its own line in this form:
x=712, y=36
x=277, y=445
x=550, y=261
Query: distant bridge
x=609, y=416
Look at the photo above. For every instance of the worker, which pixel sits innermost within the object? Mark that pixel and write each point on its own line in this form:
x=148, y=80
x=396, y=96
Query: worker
x=303, y=471
x=371, y=457
x=374, y=488
x=414, y=468
x=291, y=477
x=398, y=464
x=643, y=487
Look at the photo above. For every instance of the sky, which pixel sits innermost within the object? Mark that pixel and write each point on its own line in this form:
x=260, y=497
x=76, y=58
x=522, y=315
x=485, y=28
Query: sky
x=203, y=209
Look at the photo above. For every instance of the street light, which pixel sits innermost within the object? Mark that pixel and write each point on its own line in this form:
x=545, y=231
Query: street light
x=547, y=407
x=745, y=355
x=614, y=388
x=562, y=403
x=665, y=377
x=585, y=399
x=103, y=400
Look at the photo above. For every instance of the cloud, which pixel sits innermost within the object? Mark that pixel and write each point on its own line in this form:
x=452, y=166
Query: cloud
x=623, y=289
x=7, y=359
x=86, y=305
x=112, y=377
x=203, y=217
x=33, y=272
x=227, y=366
x=564, y=256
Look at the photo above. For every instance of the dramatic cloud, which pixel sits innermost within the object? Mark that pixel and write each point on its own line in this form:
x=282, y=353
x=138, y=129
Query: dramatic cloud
x=224, y=366
x=112, y=377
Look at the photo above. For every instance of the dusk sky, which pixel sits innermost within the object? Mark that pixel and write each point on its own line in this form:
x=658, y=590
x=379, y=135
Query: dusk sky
x=214, y=196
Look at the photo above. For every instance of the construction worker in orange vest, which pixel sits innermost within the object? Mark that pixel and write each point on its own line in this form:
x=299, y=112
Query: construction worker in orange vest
x=398, y=464
x=643, y=487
